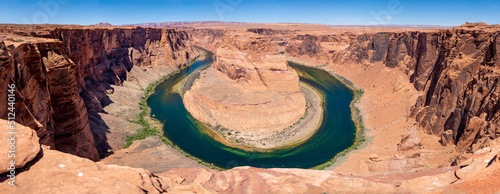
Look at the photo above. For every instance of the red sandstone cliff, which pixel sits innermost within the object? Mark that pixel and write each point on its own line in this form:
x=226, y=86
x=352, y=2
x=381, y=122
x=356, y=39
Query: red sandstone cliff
x=47, y=97
x=457, y=70
x=60, y=81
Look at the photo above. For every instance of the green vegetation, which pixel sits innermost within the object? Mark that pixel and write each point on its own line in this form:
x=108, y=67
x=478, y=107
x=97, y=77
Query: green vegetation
x=19, y=40
x=358, y=120
x=147, y=128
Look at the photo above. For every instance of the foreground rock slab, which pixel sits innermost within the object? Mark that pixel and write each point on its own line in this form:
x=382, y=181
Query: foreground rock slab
x=20, y=145
x=58, y=172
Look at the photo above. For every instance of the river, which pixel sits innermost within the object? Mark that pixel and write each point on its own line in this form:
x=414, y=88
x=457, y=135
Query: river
x=336, y=133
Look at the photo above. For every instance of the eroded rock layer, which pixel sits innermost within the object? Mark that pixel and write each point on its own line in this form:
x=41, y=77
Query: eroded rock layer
x=457, y=72
x=63, y=75
x=250, y=87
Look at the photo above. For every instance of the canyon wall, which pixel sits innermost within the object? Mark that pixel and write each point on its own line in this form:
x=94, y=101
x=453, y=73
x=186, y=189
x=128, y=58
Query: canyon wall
x=207, y=38
x=456, y=71
x=62, y=81
x=105, y=57
x=47, y=97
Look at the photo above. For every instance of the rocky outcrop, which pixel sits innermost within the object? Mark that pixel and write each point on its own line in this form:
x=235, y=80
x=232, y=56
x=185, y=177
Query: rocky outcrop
x=409, y=140
x=458, y=74
x=57, y=172
x=249, y=88
x=309, y=46
x=23, y=67
x=21, y=146
x=72, y=132
x=209, y=38
x=103, y=24
x=48, y=99
x=63, y=81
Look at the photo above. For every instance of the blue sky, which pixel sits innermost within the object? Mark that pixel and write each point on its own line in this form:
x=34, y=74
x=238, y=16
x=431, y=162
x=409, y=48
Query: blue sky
x=361, y=12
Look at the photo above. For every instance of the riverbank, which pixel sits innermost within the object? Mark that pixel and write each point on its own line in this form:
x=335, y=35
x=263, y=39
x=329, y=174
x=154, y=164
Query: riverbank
x=355, y=114
x=142, y=135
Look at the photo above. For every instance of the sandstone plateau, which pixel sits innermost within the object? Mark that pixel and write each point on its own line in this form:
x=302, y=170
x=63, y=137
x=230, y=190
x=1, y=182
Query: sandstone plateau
x=431, y=105
x=250, y=88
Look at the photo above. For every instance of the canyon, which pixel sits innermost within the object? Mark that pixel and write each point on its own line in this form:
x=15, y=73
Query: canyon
x=430, y=102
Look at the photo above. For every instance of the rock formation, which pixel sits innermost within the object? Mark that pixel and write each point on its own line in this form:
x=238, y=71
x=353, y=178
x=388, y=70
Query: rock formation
x=62, y=77
x=103, y=24
x=456, y=70
x=409, y=140
x=25, y=142
x=45, y=77
x=249, y=88
x=105, y=56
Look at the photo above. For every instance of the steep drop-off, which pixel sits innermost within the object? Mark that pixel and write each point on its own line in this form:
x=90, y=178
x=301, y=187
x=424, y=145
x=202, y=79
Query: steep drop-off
x=456, y=70
x=62, y=83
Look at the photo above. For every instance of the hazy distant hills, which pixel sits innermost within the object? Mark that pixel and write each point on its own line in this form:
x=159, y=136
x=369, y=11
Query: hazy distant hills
x=219, y=23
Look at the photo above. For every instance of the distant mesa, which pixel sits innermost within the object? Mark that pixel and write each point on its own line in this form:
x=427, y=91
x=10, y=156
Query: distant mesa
x=178, y=24
x=480, y=25
x=105, y=24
